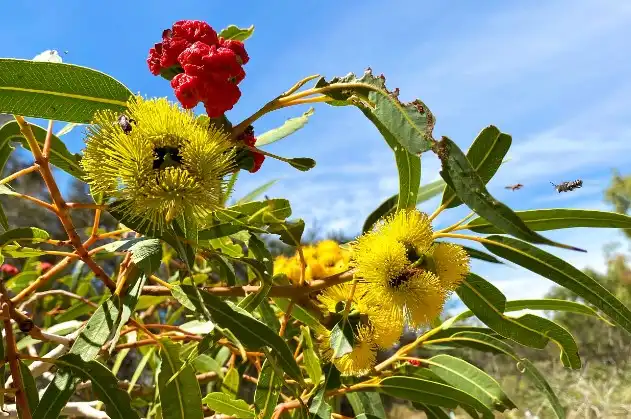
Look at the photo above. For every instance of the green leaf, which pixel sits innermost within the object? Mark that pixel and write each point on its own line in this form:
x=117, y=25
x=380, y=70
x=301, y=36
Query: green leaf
x=432, y=412
x=387, y=207
x=342, y=338
x=430, y=392
x=60, y=156
x=298, y=312
x=224, y=404
x=22, y=280
x=236, y=33
x=557, y=218
x=30, y=388
x=290, y=232
x=524, y=365
x=312, y=363
x=267, y=391
x=32, y=234
x=256, y=192
x=558, y=334
x=146, y=253
x=289, y=127
x=104, y=383
x=319, y=407
x=541, y=304
x=67, y=128
x=230, y=383
x=251, y=332
x=63, y=92
x=367, y=402
x=262, y=254
x=463, y=179
x=21, y=252
x=561, y=272
x=477, y=254
x=466, y=377
x=489, y=304
x=411, y=124
x=180, y=398
x=485, y=155
x=302, y=163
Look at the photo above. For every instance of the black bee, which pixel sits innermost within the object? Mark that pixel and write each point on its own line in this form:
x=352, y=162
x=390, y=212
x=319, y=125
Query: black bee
x=568, y=186
x=125, y=123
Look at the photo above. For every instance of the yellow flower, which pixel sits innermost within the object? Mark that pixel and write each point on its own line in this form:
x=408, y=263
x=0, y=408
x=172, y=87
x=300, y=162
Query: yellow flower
x=386, y=325
x=390, y=261
x=410, y=227
x=163, y=165
x=323, y=260
x=451, y=263
x=356, y=363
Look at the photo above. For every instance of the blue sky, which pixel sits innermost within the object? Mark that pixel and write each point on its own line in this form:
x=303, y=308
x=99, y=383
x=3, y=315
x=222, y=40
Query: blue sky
x=553, y=74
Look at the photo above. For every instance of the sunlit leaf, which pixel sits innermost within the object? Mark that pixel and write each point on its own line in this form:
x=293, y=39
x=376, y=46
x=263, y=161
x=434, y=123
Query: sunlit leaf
x=289, y=127
x=236, y=33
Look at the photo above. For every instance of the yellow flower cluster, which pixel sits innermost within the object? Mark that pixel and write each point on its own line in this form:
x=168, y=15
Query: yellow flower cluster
x=402, y=275
x=324, y=259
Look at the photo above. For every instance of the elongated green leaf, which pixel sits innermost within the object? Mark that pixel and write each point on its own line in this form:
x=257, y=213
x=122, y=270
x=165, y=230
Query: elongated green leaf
x=558, y=218
x=476, y=254
x=542, y=304
x=230, y=383
x=181, y=398
x=267, y=391
x=485, y=155
x=462, y=178
x=432, y=412
x=558, y=334
x=411, y=124
x=30, y=388
x=67, y=128
x=60, y=156
x=105, y=324
x=105, y=385
x=464, y=376
x=236, y=33
x=367, y=402
x=32, y=234
x=257, y=192
x=489, y=304
x=222, y=403
x=430, y=392
x=251, y=332
x=63, y=92
x=312, y=363
x=561, y=272
x=319, y=407
x=289, y=127
x=525, y=366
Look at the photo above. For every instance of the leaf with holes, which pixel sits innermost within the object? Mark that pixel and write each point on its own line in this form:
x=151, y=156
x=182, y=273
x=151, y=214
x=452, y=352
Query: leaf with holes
x=485, y=155
x=63, y=92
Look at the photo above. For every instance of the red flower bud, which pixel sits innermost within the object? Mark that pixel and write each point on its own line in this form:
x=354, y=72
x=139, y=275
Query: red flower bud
x=414, y=362
x=237, y=47
x=44, y=266
x=155, y=55
x=258, y=162
x=195, y=30
x=9, y=270
x=219, y=98
x=187, y=89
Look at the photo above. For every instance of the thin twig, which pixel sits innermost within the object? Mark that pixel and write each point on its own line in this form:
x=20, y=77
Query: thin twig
x=18, y=174
x=48, y=140
x=14, y=365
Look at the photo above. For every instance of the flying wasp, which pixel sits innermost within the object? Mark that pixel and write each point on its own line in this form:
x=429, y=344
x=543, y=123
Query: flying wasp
x=125, y=123
x=514, y=187
x=568, y=186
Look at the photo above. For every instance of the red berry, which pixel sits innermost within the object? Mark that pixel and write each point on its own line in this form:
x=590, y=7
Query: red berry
x=44, y=266
x=10, y=270
x=414, y=362
x=195, y=30
x=237, y=47
x=187, y=90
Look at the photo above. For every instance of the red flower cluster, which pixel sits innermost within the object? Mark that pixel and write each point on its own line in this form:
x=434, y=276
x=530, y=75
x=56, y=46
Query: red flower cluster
x=209, y=67
x=249, y=139
x=9, y=270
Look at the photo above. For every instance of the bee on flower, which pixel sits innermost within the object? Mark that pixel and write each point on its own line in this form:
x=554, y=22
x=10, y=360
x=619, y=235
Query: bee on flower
x=166, y=166
x=403, y=267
